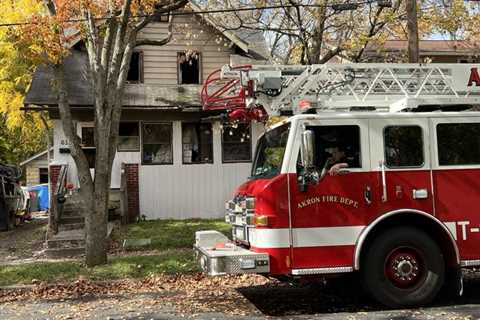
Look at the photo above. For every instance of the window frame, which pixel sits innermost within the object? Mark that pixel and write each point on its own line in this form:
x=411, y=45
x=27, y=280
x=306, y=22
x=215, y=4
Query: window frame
x=139, y=137
x=200, y=70
x=423, y=146
x=142, y=142
x=238, y=161
x=181, y=143
x=140, y=68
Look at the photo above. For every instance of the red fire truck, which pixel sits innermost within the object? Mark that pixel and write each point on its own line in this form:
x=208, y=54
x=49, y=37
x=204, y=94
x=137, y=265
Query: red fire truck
x=364, y=177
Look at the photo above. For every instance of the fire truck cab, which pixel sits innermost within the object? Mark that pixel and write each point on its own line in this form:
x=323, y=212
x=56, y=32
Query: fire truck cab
x=390, y=196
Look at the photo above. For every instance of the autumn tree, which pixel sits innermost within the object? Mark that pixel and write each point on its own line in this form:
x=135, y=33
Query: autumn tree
x=21, y=134
x=312, y=31
x=109, y=29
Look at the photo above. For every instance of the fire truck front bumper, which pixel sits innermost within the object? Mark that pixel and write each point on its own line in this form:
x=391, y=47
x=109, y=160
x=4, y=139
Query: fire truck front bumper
x=217, y=255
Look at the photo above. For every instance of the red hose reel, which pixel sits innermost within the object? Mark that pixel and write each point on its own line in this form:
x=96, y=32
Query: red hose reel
x=230, y=94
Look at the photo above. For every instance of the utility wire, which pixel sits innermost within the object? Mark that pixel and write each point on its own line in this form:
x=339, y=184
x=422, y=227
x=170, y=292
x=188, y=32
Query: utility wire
x=240, y=9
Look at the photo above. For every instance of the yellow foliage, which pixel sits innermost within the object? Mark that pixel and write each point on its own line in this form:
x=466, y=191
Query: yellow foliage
x=16, y=69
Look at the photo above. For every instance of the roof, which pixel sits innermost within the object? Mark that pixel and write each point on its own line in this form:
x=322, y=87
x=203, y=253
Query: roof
x=38, y=155
x=249, y=40
x=430, y=46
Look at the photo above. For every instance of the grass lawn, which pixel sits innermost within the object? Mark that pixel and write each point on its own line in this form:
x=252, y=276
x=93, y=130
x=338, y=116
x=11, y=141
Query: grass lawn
x=172, y=242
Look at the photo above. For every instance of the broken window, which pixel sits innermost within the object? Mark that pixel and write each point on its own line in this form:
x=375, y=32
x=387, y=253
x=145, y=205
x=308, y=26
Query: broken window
x=135, y=73
x=197, y=143
x=157, y=143
x=128, y=137
x=236, y=143
x=188, y=67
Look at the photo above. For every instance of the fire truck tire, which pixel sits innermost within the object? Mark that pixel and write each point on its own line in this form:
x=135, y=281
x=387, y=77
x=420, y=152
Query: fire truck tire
x=403, y=267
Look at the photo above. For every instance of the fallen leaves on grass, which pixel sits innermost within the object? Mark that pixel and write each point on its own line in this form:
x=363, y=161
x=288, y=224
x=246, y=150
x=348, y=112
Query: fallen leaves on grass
x=194, y=293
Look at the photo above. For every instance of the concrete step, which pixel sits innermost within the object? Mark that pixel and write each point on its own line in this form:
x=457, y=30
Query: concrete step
x=72, y=213
x=64, y=252
x=70, y=220
x=70, y=226
x=65, y=243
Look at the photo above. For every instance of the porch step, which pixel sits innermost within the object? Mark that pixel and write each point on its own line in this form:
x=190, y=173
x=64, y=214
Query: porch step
x=71, y=219
x=64, y=252
x=65, y=243
x=70, y=226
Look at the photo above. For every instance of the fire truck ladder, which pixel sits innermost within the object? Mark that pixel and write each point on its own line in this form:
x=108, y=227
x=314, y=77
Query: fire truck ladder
x=340, y=87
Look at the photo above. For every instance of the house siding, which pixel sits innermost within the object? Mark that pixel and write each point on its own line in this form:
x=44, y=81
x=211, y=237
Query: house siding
x=175, y=191
x=160, y=62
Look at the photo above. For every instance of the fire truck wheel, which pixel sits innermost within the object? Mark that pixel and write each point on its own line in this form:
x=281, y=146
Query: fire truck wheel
x=404, y=267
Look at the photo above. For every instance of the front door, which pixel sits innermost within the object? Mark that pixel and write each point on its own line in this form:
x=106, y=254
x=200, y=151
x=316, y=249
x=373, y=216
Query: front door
x=327, y=218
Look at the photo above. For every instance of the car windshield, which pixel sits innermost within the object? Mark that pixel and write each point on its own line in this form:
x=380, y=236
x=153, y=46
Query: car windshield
x=270, y=151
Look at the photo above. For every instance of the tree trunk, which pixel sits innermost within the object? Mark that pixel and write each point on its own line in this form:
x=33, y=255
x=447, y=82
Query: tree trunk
x=96, y=229
x=412, y=29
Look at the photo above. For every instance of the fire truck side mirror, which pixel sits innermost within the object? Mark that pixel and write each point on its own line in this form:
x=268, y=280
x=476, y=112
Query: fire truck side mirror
x=308, y=150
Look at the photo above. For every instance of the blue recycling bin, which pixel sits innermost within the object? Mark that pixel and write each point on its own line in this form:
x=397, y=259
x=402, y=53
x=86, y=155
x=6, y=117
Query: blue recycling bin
x=42, y=195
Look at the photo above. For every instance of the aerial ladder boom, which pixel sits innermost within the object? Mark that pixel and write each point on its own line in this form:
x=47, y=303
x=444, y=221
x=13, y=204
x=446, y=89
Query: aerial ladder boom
x=257, y=91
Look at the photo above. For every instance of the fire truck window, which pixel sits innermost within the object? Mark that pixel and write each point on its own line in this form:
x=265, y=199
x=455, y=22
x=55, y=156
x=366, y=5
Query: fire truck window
x=197, y=143
x=270, y=151
x=337, y=144
x=403, y=146
x=157, y=143
x=458, y=144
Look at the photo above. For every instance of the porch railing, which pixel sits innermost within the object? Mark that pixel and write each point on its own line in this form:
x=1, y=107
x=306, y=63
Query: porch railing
x=58, y=199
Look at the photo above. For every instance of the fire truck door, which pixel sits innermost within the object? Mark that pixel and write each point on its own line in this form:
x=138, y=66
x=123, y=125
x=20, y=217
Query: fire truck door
x=456, y=178
x=327, y=217
x=401, y=162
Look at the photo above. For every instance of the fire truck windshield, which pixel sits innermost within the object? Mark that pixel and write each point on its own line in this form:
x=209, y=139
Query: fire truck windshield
x=270, y=151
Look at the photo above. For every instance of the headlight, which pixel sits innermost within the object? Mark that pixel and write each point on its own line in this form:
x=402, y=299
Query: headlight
x=248, y=203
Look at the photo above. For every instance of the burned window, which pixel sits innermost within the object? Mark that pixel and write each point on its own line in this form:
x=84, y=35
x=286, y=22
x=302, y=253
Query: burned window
x=128, y=137
x=164, y=17
x=88, y=134
x=157, y=143
x=135, y=73
x=236, y=143
x=197, y=143
x=458, y=144
x=188, y=67
x=403, y=146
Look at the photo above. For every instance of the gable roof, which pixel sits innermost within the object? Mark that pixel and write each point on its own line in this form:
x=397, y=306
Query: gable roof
x=35, y=157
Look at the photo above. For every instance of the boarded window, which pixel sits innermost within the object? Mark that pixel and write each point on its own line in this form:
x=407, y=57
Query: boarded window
x=128, y=137
x=403, y=146
x=236, y=144
x=135, y=73
x=188, y=67
x=458, y=144
x=157, y=143
x=197, y=143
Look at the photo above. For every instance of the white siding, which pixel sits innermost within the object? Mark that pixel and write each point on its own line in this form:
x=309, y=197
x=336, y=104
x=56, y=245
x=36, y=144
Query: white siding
x=191, y=191
x=176, y=191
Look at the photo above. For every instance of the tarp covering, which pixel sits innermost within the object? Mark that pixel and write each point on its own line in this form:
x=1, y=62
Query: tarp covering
x=42, y=193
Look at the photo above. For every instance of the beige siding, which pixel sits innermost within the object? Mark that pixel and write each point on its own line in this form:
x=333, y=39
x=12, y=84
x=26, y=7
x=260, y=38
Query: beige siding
x=160, y=63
